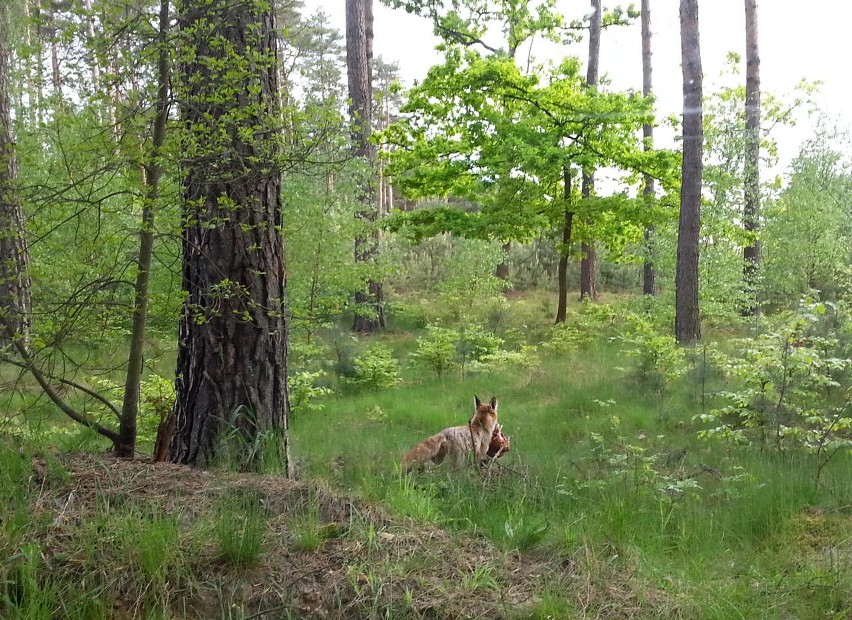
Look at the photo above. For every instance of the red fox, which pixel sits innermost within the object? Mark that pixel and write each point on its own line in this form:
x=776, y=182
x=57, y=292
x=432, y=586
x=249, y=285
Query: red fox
x=457, y=442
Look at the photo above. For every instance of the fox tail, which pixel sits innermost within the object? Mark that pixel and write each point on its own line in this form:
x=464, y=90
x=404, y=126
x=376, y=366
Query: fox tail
x=431, y=449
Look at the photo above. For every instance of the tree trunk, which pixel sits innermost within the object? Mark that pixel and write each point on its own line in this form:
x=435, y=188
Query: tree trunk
x=232, y=357
x=56, y=76
x=90, y=32
x=151, y=174
x=359, y=64
x=687, y=318
x=39, y=64
x=14, y=256
x=649, y=272
x=751, y=210
x=29, y=86
x=588, y=263
x=502, y=269
x=564, y=248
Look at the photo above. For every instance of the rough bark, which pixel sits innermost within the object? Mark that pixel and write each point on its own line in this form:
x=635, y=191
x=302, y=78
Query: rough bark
x=687, y=318
x=232, y=358
x=14, y=255
x=359, y=65
x=151, y=174
x=649, y=272
x=588, y=263
x=562, y=269
x=751, y=210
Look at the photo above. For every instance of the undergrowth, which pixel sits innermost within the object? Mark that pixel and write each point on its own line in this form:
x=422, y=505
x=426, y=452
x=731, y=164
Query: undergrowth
x=643, y=481
x=611, y=462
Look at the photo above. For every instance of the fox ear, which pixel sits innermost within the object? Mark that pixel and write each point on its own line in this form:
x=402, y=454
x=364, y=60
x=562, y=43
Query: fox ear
x=494, y=403
x=476, y=401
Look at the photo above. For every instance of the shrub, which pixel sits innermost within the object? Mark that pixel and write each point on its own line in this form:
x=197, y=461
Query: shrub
x=474, y=343
x=592, y=322
x=376, y=369
x=444, y=349
x=436, y=350
x=787, y=392
x=304, y=391
x=564, y=338
x=526, y=358
x=470, y=290
x=657, y=357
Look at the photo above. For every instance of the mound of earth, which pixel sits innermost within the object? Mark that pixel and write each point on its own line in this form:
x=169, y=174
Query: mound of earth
x=323, y=555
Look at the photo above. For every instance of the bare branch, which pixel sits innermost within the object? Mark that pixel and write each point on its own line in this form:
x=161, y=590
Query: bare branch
x=51, y=393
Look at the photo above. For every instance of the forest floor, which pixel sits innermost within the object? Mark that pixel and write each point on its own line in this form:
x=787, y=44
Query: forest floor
x=322, y=555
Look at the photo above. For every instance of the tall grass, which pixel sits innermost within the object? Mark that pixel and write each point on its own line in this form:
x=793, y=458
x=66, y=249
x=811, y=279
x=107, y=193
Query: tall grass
x=598, y=468
x=240, y=527
x=606, y=474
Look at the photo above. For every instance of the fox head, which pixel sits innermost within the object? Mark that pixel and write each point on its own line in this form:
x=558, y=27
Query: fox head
x=485, y=414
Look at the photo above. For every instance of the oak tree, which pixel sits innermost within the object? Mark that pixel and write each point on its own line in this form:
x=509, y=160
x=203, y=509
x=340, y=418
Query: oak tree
x=506, y=147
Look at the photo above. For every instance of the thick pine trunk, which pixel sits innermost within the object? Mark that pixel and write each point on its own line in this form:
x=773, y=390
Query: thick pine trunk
x=649, y=272
x=14, y=257
x=588, y=263
x=359, y=64
x=687, y=318
x=751, y=253
x=232, y=358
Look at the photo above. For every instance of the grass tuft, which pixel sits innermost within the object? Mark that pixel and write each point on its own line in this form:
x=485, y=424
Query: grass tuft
x=240, y=528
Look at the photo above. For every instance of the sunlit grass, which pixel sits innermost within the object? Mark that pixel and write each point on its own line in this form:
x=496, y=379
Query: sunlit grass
x=681, y=512
x=605, y=474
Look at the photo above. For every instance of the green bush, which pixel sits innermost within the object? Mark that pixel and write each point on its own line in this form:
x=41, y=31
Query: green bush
x=657, y=358
x=786, y=390
x=437, y=350
x=444, y=349
x=304, y=391
x=526, y=358
x=376, y=369
x=473, y=343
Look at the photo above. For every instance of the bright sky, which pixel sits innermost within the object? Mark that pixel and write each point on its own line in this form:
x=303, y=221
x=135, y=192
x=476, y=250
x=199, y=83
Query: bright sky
x=795, y=43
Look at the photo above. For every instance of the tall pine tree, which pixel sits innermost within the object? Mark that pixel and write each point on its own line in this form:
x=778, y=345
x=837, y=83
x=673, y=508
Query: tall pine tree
x=232, y=358
x=687, y=317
